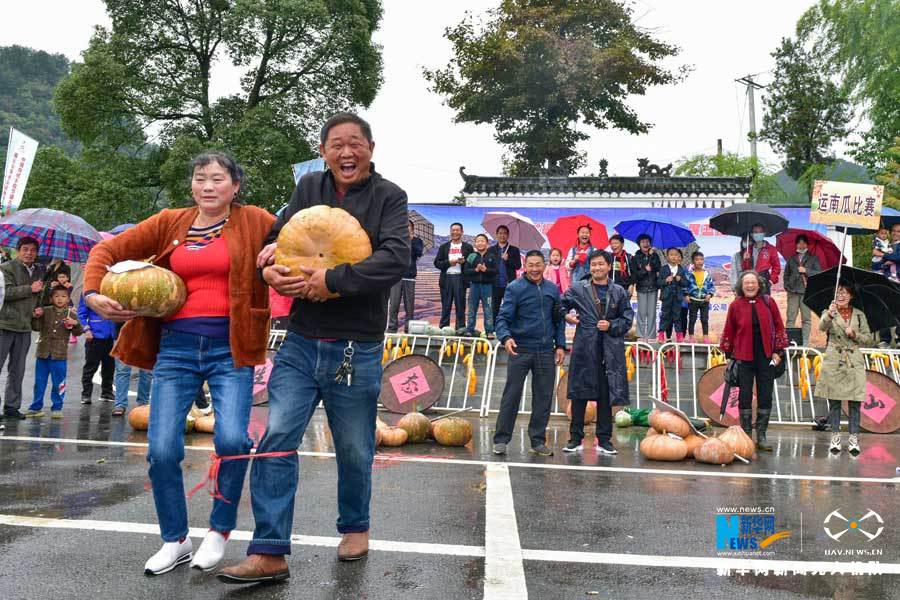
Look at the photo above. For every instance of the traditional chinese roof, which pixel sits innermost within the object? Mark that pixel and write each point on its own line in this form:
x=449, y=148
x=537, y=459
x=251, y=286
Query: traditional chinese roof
x=644, y=185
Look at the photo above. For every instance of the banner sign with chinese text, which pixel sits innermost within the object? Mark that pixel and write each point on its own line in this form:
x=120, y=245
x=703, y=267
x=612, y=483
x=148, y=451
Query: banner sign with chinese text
x=846, y=204
x=19, y=158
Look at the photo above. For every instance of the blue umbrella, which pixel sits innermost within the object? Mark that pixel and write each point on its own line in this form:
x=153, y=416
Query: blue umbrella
x=120, y=228
x=889, y=217
x=664, y=231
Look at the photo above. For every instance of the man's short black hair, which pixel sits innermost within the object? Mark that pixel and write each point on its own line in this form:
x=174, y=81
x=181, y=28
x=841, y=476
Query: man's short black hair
x=534, y=253
x=606, y=256
x=345, y=117
x=27, y=241
x=616, y=236
x=645, y=236
x=695, y=254
x=484, y=235
x=502, y=227
x=460, y=226
x=801, y=238
x=60, y=288
x=676, y=249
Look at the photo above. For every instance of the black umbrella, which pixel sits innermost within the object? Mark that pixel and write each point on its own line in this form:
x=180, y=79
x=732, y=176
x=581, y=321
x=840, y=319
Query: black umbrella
x=739, y=219
x=876, y=295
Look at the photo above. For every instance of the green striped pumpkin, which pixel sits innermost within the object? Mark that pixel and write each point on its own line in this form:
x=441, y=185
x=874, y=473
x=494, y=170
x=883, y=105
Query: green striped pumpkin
x=150, y=292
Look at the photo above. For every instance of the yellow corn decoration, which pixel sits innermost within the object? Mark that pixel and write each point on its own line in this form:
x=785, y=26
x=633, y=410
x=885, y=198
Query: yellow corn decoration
x=803, y=384
x=454, y=346
x=629, y=364
x=447, y=351
x=390, y=343
x=817, y=366
x=385, y=355
x=395, y=353
x=473, y=382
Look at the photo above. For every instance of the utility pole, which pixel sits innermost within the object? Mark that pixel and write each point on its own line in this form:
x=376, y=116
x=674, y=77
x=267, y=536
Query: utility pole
x=751, y=86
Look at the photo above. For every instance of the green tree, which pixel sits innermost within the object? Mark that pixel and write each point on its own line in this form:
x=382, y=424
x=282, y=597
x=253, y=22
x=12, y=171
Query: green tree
x=537, y=68
x=764, y=187
x=890, y=177
x=302, y=60
x=27, y=79
x=857, y=40
x=806, y=113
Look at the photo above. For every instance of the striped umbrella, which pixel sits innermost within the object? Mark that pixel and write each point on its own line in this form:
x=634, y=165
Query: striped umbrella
x=60, y=234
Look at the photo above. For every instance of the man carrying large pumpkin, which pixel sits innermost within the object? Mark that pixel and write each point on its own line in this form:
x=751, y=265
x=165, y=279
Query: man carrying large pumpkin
x=332, y=351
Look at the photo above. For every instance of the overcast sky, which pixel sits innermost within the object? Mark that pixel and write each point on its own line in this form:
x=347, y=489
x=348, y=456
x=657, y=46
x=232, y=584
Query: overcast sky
x=420, y=147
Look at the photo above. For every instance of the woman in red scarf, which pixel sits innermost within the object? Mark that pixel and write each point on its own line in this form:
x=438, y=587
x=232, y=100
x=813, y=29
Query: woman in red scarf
x=754, y=336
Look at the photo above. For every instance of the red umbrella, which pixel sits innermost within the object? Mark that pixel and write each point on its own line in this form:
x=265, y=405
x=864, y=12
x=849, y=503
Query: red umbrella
x=819, y=245
x=563, y=234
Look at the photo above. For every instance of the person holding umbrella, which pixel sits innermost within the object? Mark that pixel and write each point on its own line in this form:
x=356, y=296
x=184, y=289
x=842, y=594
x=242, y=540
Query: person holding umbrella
x=797, y=272
x=754, y=336
x=844, y=367
x=758, y=255
x=576, y=261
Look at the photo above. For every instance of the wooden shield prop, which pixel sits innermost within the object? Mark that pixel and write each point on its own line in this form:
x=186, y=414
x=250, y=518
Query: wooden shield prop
x=709, y=395
x=879, y=413
x=411, y=383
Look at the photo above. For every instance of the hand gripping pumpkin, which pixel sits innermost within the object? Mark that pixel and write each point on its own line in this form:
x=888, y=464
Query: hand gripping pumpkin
x=321, y=237
x=148, y=290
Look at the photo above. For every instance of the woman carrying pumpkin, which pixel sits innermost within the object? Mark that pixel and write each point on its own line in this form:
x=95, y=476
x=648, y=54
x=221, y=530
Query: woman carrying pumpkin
x=754, y=336
x=218, y=335
x=844, y=368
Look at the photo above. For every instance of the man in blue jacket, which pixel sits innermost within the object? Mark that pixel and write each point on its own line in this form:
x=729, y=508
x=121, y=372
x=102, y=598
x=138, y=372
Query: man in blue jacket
x=534, y=335
x=99, y=335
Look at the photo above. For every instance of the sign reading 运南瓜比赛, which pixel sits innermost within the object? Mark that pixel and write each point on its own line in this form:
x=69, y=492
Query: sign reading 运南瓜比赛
x=846, y=204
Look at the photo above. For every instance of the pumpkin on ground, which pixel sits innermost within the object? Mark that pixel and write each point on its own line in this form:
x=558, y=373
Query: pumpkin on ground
x=739, y=442
x=150, y=291
x=715, y=452
x=378, y=436
x=693, y=442
x=651, y=432
x=379, y=424
x=663, y=447
x=590, y=412
x=139, y=417
x=416, y=426
x=205, y=424
x=453, y=431
x=665, y=421
x=321, y=237
x=393, y=436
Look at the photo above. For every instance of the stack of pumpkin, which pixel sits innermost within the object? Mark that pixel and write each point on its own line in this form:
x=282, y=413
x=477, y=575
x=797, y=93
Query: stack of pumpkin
x=670, y=438
x=197, y=420
x=417, y=428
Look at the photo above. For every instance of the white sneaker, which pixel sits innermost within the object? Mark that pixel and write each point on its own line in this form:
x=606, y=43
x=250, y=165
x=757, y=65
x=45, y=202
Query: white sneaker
x=835, y=445
x=169, y=556
x=853, y=445
x=210, y=552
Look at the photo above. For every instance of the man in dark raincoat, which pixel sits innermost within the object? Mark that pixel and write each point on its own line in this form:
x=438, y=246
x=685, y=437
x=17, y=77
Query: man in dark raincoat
x=597, y=365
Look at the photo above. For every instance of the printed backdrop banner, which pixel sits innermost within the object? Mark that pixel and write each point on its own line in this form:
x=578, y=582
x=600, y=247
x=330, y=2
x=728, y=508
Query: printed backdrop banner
x=717, y=248
x=19, y=158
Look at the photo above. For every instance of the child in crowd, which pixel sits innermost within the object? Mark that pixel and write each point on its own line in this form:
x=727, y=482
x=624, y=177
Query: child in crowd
x=881, y=245
x=702, y=289
x=576, y=261
x=481, y=273
x=621, y=267
x=556, y=272
x=645, y=266
x=55, y=324
x=674, y=287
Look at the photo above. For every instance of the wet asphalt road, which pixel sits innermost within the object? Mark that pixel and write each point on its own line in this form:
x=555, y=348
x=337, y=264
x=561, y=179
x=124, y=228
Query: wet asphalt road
x=642, y=510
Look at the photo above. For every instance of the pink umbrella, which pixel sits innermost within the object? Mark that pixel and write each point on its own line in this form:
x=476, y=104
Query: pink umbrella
x=523, y=233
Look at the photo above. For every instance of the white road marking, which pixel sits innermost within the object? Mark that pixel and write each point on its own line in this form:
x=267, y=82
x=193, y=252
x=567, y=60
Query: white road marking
x=200, y=532
x=388, y=458
x=504, y=571
x=643, y=560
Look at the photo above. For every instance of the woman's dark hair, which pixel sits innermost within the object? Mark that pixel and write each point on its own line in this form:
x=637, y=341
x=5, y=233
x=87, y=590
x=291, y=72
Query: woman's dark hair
x=644, y=236
x=585, y=226
x=606, y=256
x=678, y=250
x=801, y=238
x=739, y=292
x=340, y=119
x=848, y=288
x=226, y=161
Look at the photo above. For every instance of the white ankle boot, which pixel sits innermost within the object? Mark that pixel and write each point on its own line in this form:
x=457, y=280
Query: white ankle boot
x=210, y=552
x=169, y=556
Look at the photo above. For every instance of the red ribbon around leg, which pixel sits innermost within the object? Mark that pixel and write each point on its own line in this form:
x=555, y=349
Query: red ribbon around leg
x=211, y=481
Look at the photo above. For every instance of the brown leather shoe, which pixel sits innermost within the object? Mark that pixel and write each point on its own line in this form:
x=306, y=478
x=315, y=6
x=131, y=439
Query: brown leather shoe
x=256, y=568
x=353, y=546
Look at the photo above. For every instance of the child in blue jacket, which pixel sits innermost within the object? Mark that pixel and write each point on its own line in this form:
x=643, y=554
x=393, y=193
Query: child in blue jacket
x=701, y=292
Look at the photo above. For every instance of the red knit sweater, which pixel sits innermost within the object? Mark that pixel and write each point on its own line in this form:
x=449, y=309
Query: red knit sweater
x=205, y=273
x=737, y=337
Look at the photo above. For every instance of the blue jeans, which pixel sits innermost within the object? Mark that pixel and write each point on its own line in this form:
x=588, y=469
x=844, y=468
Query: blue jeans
x=481, y=292
x=302, y=375
x=55, y=369
x=123, y=384
x=185, y=360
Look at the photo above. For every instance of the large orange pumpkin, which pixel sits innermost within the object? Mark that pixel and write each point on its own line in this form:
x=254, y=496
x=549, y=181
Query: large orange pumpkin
x=665, y=421
x=715, y=452
x=139, y=417
x=590, y=412
x=393, y=436
x=693, y=442
x=150, y=291
x=453, y=431
x=205, y=424
x=739, y=442
x=663, y=447
x=416, y=426
x=321, y=237
x=378, y=435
